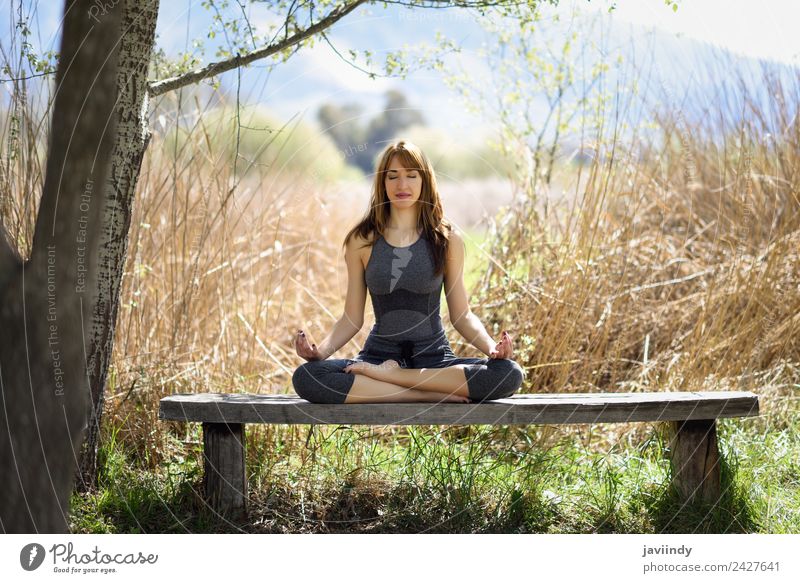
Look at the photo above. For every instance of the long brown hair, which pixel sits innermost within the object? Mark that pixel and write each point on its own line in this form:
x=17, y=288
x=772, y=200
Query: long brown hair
x=435, y=228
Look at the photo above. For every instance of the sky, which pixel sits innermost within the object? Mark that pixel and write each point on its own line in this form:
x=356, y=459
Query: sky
x=317, y=75
x=765, y=29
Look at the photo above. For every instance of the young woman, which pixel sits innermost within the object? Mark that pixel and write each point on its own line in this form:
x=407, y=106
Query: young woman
x=403, y=251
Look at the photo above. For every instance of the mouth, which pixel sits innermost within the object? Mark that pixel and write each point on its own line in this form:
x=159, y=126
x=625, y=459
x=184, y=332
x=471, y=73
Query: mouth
x=403, y=195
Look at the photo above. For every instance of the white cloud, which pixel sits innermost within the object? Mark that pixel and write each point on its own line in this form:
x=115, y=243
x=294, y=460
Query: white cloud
x=755, y=29
x=322, y=65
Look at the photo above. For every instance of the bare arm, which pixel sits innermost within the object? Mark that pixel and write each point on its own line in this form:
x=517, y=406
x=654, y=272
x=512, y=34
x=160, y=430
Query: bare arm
x=353, y=318
x=464, y=321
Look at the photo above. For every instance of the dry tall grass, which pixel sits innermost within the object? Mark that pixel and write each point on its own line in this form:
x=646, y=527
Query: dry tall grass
x=676, y=268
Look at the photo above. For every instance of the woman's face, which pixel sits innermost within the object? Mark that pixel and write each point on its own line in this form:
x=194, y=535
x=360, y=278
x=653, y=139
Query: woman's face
x=403, y=186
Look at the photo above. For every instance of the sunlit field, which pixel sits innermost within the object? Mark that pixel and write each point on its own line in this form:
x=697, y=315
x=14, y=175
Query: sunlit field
x=644, y=277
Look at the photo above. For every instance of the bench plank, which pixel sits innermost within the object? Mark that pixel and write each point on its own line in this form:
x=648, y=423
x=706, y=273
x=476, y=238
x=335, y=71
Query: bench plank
x=694, y=453
x=542, y=408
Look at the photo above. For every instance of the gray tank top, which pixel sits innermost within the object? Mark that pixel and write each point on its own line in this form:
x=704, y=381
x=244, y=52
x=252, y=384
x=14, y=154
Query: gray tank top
x=405, y=294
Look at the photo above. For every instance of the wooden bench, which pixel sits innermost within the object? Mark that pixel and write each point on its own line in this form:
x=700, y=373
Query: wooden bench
x=693, y=450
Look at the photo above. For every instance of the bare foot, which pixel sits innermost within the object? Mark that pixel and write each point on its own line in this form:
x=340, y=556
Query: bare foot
x=366, y=368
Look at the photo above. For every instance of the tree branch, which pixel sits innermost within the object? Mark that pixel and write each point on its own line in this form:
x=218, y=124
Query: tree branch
x=160, y=87
x=352, y=64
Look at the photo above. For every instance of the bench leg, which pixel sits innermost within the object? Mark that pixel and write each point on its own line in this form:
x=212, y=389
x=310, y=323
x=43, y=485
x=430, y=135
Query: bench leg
x=225, y=478
x=694, y=456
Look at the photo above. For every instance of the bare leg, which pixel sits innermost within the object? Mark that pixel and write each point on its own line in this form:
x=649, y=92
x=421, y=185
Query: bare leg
x=450, y=380
x=367, y=390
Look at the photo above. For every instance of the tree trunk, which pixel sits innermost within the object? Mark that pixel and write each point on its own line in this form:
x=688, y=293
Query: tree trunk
x=44, y=304
x=131, y=113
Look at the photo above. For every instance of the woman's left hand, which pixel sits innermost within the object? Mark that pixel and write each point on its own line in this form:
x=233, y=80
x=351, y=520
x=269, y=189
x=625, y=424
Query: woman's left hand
x=503, y=349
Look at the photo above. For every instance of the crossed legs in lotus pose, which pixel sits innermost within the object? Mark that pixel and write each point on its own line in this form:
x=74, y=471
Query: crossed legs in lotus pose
x=372, y=381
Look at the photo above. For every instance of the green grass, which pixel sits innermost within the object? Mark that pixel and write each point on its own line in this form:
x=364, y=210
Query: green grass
x=453, y=480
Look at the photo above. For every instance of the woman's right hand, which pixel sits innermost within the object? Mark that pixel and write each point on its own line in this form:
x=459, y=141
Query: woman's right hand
x=304, y=349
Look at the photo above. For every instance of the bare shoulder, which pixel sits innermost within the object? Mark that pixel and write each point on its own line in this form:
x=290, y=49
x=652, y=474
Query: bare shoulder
x=455, y=245
x=360, y=247
x=454, y=236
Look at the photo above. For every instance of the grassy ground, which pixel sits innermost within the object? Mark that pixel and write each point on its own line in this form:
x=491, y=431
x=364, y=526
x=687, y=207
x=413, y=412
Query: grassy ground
x=457, y=480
